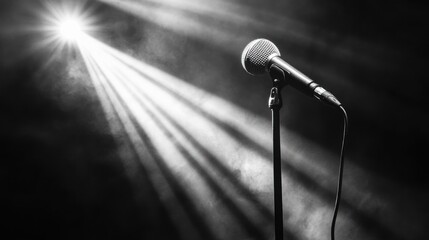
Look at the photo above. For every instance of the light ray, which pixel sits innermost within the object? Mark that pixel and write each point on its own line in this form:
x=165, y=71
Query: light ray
x=219, y=22
x=203, y=153
x=169, y=151
x=129, y=84
x=199, y=160
x=165, y=191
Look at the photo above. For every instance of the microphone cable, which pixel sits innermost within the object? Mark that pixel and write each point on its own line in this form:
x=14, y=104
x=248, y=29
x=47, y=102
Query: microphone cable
x=340, y=173
x=258, y=57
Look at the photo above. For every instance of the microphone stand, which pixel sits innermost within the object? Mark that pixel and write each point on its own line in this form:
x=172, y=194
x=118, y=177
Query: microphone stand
x=275, y=103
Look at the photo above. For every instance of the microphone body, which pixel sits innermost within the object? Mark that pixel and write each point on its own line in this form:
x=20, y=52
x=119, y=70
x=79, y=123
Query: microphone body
x=260, y=54
x=303, y=83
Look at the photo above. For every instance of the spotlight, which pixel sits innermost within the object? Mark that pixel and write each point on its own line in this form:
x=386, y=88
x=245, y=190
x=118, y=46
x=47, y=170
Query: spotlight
x=70, y=29
x=69, y=23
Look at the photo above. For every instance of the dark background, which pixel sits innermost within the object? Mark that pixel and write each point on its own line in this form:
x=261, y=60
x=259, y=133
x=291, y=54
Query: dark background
x=60, y=165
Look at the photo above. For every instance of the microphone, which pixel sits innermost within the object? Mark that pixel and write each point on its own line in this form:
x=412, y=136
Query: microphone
x=261, y=54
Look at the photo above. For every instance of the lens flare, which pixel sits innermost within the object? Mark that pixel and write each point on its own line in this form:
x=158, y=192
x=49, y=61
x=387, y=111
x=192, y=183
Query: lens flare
x=70, y=29
x=64, y=25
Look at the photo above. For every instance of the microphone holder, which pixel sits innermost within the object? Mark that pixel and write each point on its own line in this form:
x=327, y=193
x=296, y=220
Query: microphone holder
x=275, y=103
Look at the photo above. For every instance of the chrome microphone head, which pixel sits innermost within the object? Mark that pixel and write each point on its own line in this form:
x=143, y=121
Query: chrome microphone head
x=257, y=54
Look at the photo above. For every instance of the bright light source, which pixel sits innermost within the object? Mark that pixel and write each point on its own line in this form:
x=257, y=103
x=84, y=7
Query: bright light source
x=67, y=23
x=70, y=29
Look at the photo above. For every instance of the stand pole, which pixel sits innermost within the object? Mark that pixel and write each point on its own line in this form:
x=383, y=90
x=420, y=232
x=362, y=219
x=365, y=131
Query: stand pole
x=278, y=208
x=275, y=104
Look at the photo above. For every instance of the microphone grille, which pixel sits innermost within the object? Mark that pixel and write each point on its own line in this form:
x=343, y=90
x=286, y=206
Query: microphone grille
x=255, y=55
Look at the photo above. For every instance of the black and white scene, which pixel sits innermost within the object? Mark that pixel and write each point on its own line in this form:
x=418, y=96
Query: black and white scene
x=214, y=120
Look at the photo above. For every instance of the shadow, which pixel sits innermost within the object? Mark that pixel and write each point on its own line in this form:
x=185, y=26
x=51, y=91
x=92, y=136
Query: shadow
x=251, y=228
x=364, y=220
x=167, y=228
x=257, y=21
x=185, y=200
x=222, y=168
x=370, y=224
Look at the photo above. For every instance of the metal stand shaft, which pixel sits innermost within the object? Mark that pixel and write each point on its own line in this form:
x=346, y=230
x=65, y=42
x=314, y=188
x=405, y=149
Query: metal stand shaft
x=275, y=104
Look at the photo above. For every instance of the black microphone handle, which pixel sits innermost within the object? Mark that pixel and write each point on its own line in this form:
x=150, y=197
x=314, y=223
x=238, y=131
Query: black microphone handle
x=303, y=83
x=293, y=77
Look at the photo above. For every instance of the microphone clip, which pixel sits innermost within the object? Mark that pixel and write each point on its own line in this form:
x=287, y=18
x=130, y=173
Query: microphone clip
x=278, y=77
x=275, y=99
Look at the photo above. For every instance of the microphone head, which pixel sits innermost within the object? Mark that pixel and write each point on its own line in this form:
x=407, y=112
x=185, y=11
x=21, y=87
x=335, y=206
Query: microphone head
x=256, y=55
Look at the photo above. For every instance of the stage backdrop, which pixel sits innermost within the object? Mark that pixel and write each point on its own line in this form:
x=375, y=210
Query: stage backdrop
x=133, y=119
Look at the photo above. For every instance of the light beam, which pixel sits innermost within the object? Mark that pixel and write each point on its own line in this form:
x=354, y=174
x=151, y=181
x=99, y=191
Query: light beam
x=217, y=152
x=156, y=109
